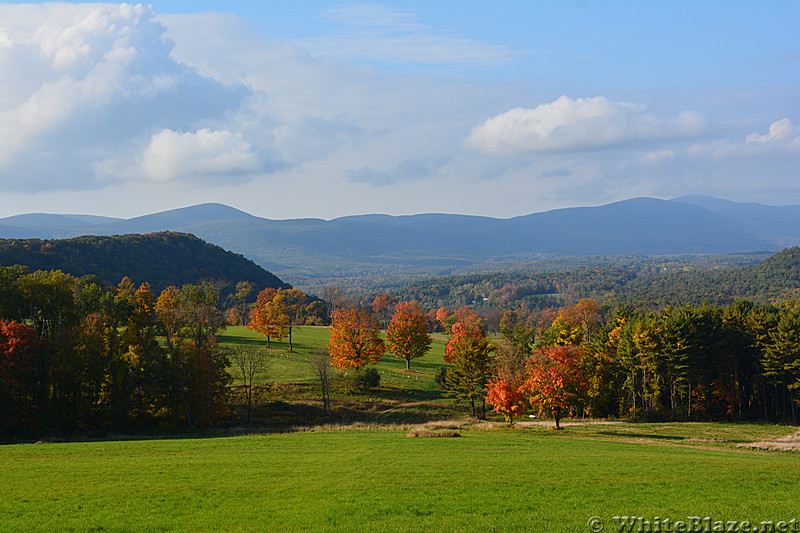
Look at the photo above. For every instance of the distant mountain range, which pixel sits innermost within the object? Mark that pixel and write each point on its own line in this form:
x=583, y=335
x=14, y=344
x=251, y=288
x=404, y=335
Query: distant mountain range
x=302, y=250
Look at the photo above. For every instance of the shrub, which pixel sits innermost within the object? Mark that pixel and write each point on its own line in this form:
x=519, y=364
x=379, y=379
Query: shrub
x=363, y=379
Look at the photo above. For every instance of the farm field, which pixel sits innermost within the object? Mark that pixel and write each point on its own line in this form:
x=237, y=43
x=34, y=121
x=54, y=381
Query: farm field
x=531, y=478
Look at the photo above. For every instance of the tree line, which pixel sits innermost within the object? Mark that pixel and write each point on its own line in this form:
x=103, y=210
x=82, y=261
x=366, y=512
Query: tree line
x=78, y=355
x=693, y=362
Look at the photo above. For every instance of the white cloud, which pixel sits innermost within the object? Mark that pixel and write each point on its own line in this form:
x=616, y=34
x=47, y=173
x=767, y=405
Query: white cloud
x=578, y=124
x=781, y=138
x=178, y=156
x=658, y=156
x=87, y=83
x=326, y=115
x=781, y=130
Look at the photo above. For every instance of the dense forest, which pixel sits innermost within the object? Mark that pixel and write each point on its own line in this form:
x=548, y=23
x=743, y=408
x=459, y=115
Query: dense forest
x=692, y=362
x=160, y=259
x=77, y=354
x=653, y=283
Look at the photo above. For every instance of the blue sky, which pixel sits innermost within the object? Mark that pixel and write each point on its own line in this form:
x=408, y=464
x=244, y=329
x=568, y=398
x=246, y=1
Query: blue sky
x=325, y=109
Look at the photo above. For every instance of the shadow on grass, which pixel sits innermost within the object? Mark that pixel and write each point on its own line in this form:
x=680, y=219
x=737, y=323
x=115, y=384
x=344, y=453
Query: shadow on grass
x=639, y=435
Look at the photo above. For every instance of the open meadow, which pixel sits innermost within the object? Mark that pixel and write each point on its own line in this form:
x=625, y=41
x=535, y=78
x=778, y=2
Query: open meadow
x=377, y=479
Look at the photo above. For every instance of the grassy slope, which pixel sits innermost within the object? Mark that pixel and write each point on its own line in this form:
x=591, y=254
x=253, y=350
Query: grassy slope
x=511, y=480
x=296, y=368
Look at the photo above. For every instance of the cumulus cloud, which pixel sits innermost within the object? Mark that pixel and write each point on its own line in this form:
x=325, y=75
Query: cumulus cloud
x=173, y=155
x=782, y=130
x=782, y=138
x=377, y=32
x=578, y=124
x=324, y=115
x=86, y=83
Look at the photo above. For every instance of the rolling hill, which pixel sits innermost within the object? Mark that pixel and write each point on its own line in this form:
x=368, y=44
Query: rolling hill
x=161, y=259
x=309, y=251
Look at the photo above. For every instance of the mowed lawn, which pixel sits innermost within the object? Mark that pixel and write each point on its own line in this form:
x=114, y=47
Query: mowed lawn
x=532, y=479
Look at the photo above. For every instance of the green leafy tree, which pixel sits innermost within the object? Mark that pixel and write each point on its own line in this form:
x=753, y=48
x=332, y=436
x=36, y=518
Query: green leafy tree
x=473, y=366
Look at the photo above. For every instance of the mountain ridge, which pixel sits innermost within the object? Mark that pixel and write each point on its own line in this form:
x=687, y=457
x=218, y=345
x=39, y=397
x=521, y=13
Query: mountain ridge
x=303, y=250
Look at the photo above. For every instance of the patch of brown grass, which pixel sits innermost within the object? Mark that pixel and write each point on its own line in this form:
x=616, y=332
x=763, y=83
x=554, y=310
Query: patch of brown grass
x=789, y=443
x=429, y=433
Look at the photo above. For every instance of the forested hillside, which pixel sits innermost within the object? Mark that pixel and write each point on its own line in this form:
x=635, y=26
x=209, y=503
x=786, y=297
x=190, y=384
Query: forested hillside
x=160, y=259
x=639, y=281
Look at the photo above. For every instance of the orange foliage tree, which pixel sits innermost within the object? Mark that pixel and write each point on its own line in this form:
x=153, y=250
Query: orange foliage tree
x=442, y=314
x=354, y=340
x=469, y=326
x=407, y=334
x=555, y=381
x=267, y=317
x=506, y=397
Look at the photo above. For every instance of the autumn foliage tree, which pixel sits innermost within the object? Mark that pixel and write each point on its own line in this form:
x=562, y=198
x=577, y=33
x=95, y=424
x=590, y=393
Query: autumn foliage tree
x=383, y=306
x=470, y=326
x=555, y=382
x=407, y=334
x=267, y=318
x=354, y=340
x=506, y=397
x=292, y=302
x=18, y=374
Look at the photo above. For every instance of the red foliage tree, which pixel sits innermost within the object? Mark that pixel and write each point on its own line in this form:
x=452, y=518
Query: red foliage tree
x=18, y=373
x=407, y=334
x=555, y=381
x=354, y=340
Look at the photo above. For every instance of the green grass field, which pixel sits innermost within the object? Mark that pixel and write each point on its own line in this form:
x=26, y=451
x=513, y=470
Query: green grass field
x=289, y=392
x=288, y=367
x=526, y=479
